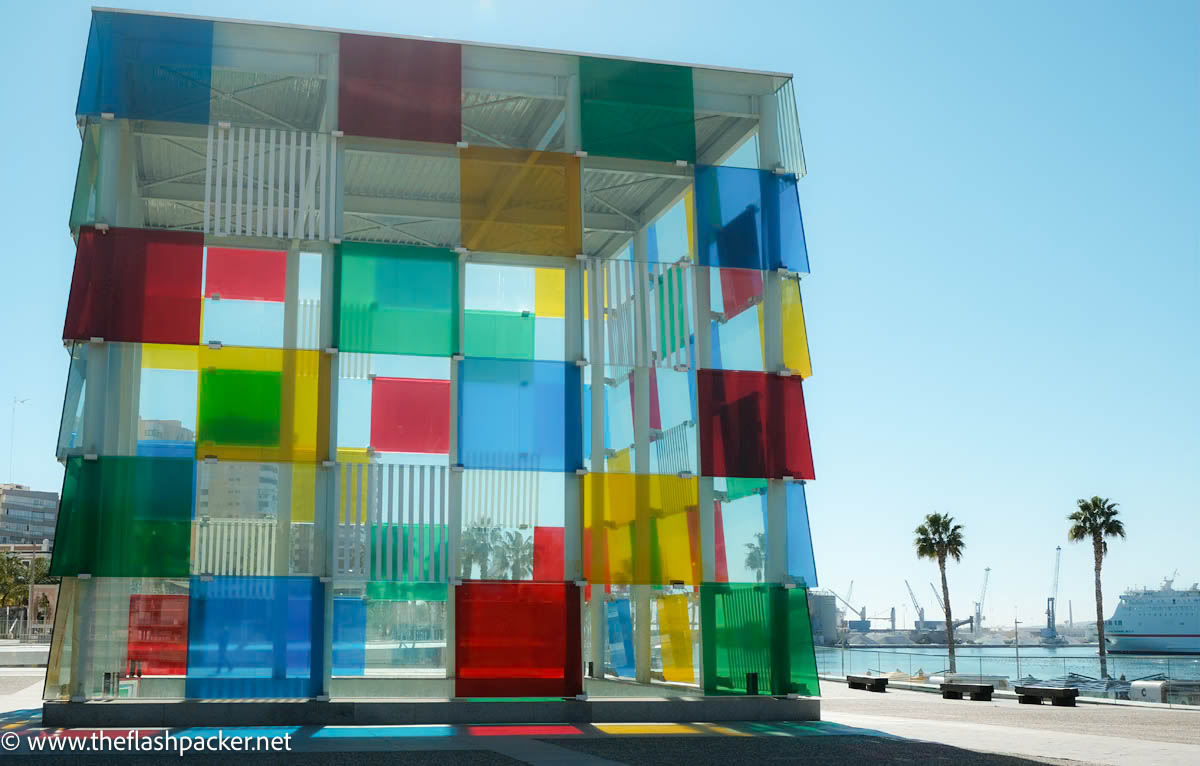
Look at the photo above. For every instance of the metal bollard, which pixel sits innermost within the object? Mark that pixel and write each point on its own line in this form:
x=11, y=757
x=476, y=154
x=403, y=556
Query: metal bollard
x=752, y=683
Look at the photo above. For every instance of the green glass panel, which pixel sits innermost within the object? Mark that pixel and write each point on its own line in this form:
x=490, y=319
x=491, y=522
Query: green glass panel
x=637, y=110
x=396, y=299
x=802, y=657
x=670, y=310
x=240, y=407
x=413, y=558
x=125, y=517
x=406, y=591
x=744, y=632
x=735, y=489
x=498, y=334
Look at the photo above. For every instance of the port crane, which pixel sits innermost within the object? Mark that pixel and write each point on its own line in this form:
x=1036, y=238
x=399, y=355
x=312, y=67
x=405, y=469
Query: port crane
x=978, y=626
x=1050, y=632
x=942, y=604
x=920, y=610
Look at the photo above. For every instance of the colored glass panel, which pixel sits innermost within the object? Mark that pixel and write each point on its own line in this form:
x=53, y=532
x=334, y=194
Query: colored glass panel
x=500, y=334
x=740, y=289
x=620, y=637
x=157, y=635
x=253, y=275
x=675, y=633
x=550, y=293
x=517, y=640
x=349, y=636
x=262, y=404
x=753, y=424
x=406, y=591
x=802, y=654
x=516, y=201
x=147, y=67
x=548, y=553
x=404, y=89
x=255, y=637
x=519, y=415
x=409, y=552
x=136, y=285
x=801, y=564
x=124, y=517
x=397, y=299
x=639, y=531
x=409, y=415
x=749, y=219
x=795, y=335
x=637, y=110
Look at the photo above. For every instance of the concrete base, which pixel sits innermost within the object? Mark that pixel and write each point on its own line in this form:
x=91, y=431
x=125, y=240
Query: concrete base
x=183, y=713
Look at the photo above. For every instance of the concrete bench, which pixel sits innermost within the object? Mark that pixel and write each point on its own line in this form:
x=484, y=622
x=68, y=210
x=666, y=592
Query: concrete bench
x=978, y=692
x=1060, y=696
x=870, y=683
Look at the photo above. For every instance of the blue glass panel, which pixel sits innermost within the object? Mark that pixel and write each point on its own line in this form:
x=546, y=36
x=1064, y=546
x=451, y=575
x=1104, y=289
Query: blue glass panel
x=165, y=448
x=800, y=561
x=148, y=68
x=620, y=637
x=519, y=415
x=254, y=637
x=748, y=219
x=349, y=636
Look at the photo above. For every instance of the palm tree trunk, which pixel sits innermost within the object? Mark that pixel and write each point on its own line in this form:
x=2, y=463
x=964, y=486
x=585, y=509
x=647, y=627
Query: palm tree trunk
x=949, y=619
x=1098, y=551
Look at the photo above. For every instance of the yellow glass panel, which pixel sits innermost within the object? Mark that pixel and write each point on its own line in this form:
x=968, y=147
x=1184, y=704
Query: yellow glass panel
x=304, y=492
x=795, y=336
x=675, y=630
x=549, y=293
x=640, y=530
x=160, y=356
x=619, y=463
x=516, y=201
x=268, y=405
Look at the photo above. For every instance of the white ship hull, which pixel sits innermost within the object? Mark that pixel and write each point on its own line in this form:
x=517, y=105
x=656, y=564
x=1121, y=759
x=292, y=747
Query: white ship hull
x=1153, y=644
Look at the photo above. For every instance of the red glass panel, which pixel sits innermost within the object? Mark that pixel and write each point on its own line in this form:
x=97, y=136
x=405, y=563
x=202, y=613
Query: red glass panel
x=517, y=639
x=548, y=553
x=136, y=286
x=410, y=415
x=740, y=289
x=158, y=633
x=722, y=561
x=655, y=412
x=753, y=425
x=252, y=275
x=405, y=89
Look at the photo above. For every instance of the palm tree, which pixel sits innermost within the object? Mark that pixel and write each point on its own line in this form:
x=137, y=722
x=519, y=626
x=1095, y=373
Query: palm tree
x=476, y=547
x=756, y=555
x=937, y=539
x=1097, y=519
x=515, y=556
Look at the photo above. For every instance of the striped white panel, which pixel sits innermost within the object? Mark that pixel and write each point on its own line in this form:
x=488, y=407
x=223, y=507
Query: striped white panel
x=636, y=334
x=244, y=547
x=501, y=498
x=267, y=182
x=395, y=502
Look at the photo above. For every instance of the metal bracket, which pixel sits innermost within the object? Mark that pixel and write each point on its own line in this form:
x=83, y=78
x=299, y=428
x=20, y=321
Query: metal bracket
x=462, y=144
x=91, y=457
x=214, y=345
x=330, y=350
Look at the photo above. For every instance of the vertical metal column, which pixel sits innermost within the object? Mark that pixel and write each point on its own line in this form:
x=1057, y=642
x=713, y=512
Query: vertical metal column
x=324, y=505
x=597, y=610
x=770, y=158
x=456, y=480
x=573, y=352
x=641, y=449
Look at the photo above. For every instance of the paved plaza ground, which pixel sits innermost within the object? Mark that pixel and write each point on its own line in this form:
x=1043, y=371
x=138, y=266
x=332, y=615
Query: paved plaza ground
x=858, y=728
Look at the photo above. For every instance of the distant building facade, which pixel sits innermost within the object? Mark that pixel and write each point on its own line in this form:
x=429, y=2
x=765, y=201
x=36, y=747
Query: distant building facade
x=27, y=516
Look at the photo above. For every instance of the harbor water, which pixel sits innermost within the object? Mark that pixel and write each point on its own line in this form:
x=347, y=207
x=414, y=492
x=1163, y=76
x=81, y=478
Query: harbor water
x=1036, y=661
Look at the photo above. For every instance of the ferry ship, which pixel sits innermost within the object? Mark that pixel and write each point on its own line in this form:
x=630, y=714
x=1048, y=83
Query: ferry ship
x=1163, y=621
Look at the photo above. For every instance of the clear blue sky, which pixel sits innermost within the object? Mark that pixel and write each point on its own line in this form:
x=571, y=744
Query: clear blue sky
x=1001, y=210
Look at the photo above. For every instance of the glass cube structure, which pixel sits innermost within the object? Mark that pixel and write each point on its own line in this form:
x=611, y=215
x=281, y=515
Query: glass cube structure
x=411, y=368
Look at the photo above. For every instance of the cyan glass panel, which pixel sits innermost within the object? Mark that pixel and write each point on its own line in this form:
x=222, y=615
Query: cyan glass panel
x=349, y=635
x=620, y=637
x=748, y=219
x=800, y=561
x=519, y=415
x=147, y=68
x=243, y=323
x=354, y=413
x=254, y=637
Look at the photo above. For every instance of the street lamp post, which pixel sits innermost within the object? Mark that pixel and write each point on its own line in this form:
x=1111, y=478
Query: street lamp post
x=1017, y=646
